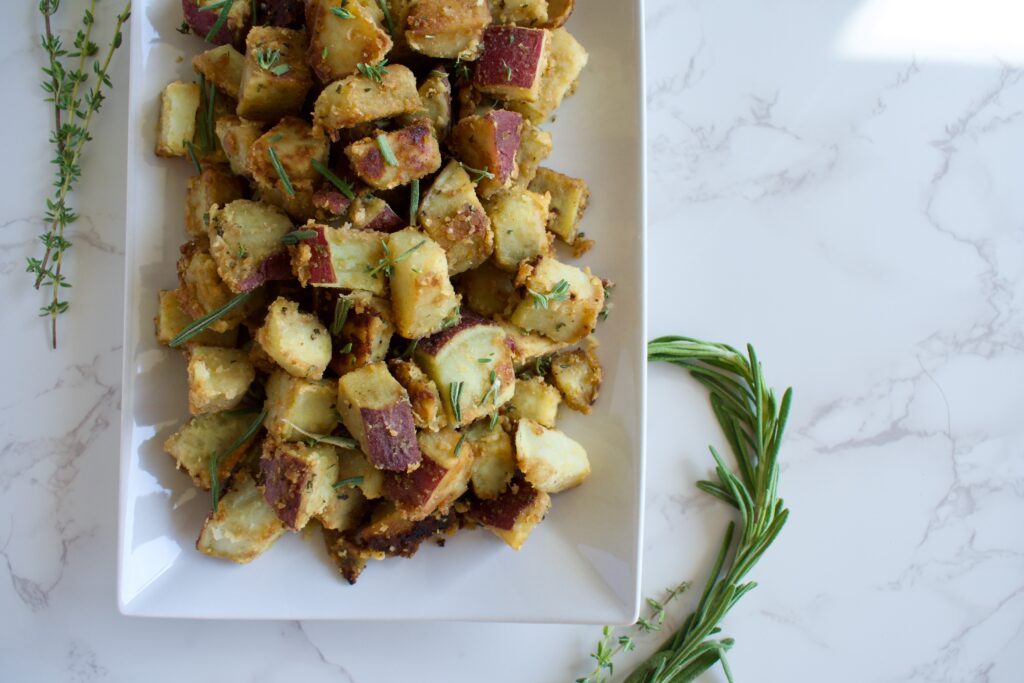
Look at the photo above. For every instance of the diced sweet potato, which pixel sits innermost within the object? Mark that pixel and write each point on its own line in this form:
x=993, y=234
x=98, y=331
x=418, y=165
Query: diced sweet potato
x=566, y=59
x=447, y=28
x=373, y=213
x=391, y=533
x=330, y=206
x=512, y=62
x=414, y=148
x=376, y=411
x=209, y=436
x=528, y=347
x=244, y=525
x=441, y=478
x=221, y=66
x=521, y=12
x=562, y=301
x=179, y=104
x=494, y=464
x=550, y=460
x=236, y=136
x=435, y=103
x=341, y=257
x=489, y=142
x=452, y=215
x=298, y=480
x=348, y=556
x=365, y=334
x=427, y=409
x=245, y=241
x=215, y=185
x=295, y=406
x=488, y=290
x=353, y=464
x=422, y=296
x=345, y=509
x=535, y=146
x=267, y=94
x=513, y=515
x=357, y=99
x=297, y=341
x=171, y=320
x=337, y=44
x=535, y=399
x=202, y=16
x=202, y=291
x=577, y=374
x=471, y=366
x=519, y=218
x=569, y=198
x=217, y=378
x=559, y=12
x=296, y=145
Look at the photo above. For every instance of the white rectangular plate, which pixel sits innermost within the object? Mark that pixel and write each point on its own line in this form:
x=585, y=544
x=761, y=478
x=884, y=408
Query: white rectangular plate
x=582, y=565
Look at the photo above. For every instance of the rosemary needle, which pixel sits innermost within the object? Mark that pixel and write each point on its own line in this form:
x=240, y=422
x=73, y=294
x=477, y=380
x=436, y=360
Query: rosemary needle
x=200, y=324
x=343, y=187
x=215, y=460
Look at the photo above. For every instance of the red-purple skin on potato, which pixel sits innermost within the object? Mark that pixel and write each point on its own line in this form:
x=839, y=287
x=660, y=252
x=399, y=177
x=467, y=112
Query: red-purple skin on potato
x=507, y=125
x=414, y=488
x=385, y=220
x=284, y=479
x=321, y=267
x=275, y=267
x=391, y=437
x=503, y=511
x=511, y=56
x=434, y=343
x=334, y=203
x=202, y=20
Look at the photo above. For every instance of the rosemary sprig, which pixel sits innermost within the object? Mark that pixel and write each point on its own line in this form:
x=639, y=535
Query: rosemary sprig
x=386, y=264
x=339, y=441
x=388, y=21
x=63, y=86
x=375, y=72
x=477, y=174
x=341, y=308
x=458, y=444
x=351, y=481
x=281, y=173
x=225, y=7
x=414, y=202
x=492, y=391
x=200, y=324
x=385, y=149
x=560, y=292
x=343, y=187
x=753, y=422
x=192, y=155
x=215, y=460
x=296, y=236
x=455, y=397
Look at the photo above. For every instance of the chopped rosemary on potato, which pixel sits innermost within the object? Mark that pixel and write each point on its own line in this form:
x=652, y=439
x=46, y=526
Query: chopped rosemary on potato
x=492, y=392
x=385, y=149
x=414, y=202
x=351, y=481
x=200, y=324
x=386, y=264
x=455, y=396
x=494, y=420
x=296, y=236
x=224, y=6
x=192, y=155
x=342, y=12
x=333, y=440
x=458, y=446
x=560, y=292
x=342, y=186
x=217, y=457
x=281, y=173
x=341, y=308
x=387, y=17
x=375, y=72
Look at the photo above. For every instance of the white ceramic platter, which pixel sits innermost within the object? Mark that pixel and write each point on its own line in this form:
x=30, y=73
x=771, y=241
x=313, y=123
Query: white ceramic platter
x=582, y=565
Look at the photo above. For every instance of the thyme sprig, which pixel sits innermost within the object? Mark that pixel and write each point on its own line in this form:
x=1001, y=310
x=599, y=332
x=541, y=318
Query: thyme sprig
x=477, y=174
x=560, y=292
x=73, y=112
x=268, y=61
x=753, y=421
x=375, y=72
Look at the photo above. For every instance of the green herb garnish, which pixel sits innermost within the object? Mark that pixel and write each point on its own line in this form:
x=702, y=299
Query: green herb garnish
x=492, y=392
x=455, y=397
x=267, y=60
x=386, y=264
x=342, y=12
x=192, y=155
x=477, y=174
x=339, y=441
x=200, y=324
x=375, y=72
x=508, y=71
x=281, y=173
x=296, y=236
x=387, y=17
x=414, y=202
x=341, y=308
x=351, y=481
x=560, y=292
x=224, y=6
x=184, y=29
x=458, y=445
x=386, y=151
x=217, y=457
x=342, y=186
x=494, y=420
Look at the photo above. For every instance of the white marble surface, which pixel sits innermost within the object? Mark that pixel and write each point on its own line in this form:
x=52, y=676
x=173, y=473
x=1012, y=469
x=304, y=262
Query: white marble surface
x=836, y=182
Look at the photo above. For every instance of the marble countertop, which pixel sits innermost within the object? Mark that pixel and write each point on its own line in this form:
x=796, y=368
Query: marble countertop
x=837, y=183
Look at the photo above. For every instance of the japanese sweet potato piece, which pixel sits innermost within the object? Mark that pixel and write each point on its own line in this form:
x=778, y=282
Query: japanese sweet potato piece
x=521, y=12
x=202, y=17
x=179, y=103
x=549, y=459
x=562, y=301
x=489, y=142
x=341, y=257
x=388, y=160
x=392, y=533
x=559, y=12
x=535, y=399
x=365, y=333
x=577, y=374
x=519, y=219
x=215, y=185
x=535, y=146
x=345, y=509
x=343, y=34
x=422, y=296
x=569, y=199
x=236, y=136
x=442, y=477
x=221, y=66
x=452, y=215
x=494, y=464
x=297, y=407
x=566, y=59
x=297, y=341
x=427, y=408
x=375, y=408
x=171, y=320
x=295, y=146
x=512, y=62
x=487, y=290
x=218, y=378
x=435, y=103
x=275, y=77
x=245, y=241
x=298, y=480
x=243, y=527
x=357, y=99
x=447, y=28
x=209, y=436
x=373, y=213
x=348, y=556
x=514, y=514
x=202, y=291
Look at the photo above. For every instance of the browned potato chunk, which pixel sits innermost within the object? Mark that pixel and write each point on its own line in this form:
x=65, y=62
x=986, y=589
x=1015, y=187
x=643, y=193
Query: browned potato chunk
x=348, y=556
x=337, y=44
x=297, y=341
x=488, y=143
x=422, y=296
x=221, y=66
x=345, y=509
x=549, y=459
x=236, y=137
x=296, y=145
x=522, y=12
x=298, y=407
x=388, y=160
x=512, y=62
x=245, y=241
x=342, y=257
x=202, y=16
x=171, y=320
x=427, y=409
x=566, y=59
x=373, y=213
x=218, y=378
x=435, y=103
x=577, y=374
x=357, y=99
x=527, y=347
x=392, y=533
x=365, y=334
x=441, y=478
x=569, y=198
x=513, y=515
x=244, y=525
x=536, y=400
x=535, y=146
x=298, y=480
x=206, y=437
x=487, y=290
x=201, y=290
x=275, y=78
x=518, y=218
x=179, y=104
x=376, y=411
x=354, y=466
x=494, y=464
x=561, y=302
x=215, y=185
x=447, y=28
x=452, y=215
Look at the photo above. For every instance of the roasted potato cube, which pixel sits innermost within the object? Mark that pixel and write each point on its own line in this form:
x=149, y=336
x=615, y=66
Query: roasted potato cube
x=534, y=147
x=577, y=374
x=346, y=508
x=426, y=403
x=171, y=320
x=296, y=145
x=528, y=348
x=559, y=12
x=435, y=103
x=217, y=378
x=512, y=62
x=471, y=366
x=566, y=59
x=337, y=44
x=202, y=291
x=236, y=137
x=421, y=293
x=244, y=525
x=297, y=341
x=549, y=459
x=298, y=480
x=298, y=407
x=522, y=12
x=535, y=399
x=330, y=206
x=569, y=198
x=441, y=478
x=353, y=465
x=245, y=241
x=357, y=99
x=365, y=334
x=489, y=142
x=275, y=78
x=221, y=66
x=210, y=436
x=203, y=15
x=452, y=215
x=414, y=153
x=179, y=104
x=514, y=514
x=376, y=411
x=342, y=257
x=215, y=185
x=373, y=213
x=488, y=290
x=563, y=301
x=349, y=557
x=447, y=28
x=518, y=218
x=494, y=464
x=393, y=534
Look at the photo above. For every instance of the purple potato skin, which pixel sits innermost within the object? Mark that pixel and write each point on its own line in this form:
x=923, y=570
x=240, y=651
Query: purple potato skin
x=390, y=435
x=503, y=511
x=275, y=267
x=284, y=479
x=385, y=220
x=507, y=126
x=201, y=21
x=330, y=204
x=414, y=489
x=432, y=345
x=511, y=56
